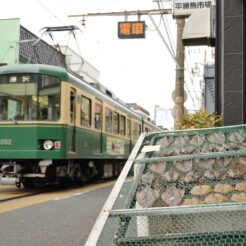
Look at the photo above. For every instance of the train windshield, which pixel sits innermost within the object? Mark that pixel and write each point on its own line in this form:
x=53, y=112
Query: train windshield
x=29, y=97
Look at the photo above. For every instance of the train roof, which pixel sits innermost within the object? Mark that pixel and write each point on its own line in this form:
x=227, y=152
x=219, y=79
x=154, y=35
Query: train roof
x=35, y=68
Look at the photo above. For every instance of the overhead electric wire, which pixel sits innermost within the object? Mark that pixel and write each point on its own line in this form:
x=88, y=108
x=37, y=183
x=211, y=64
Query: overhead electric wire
x=108, y=4
x=52, y=37
x=171, y=42
x=48, y=10
x=193, y=88
x=191, y=79
x=65, y=7
x=166, y=28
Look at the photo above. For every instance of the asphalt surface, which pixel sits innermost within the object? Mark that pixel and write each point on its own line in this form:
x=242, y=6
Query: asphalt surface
x=64, y=221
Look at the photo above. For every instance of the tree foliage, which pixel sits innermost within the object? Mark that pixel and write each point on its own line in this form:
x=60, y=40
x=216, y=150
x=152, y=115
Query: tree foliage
x=201, y=119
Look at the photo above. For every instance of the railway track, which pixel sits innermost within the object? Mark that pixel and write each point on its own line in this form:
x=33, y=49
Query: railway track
x=11, y=192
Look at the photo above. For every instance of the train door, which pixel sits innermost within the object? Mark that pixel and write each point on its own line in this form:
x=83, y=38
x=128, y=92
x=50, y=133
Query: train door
x=73, y=118
x=129, y=133
x=98, y=120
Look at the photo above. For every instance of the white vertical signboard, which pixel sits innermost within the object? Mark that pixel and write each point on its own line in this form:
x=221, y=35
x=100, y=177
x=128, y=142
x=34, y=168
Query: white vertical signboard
x=183, y=8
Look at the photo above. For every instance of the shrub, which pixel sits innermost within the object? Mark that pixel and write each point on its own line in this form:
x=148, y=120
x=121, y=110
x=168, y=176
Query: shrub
x=201, y=119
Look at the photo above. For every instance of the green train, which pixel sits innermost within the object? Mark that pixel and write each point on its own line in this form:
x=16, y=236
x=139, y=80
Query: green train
x=54, y=127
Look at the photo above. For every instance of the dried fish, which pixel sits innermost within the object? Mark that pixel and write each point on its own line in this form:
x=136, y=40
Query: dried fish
x=205, y=148
x=181, y=141
x=212, y=148
x=163, y=153
x=173, y=196
x=223, y=162
x=188, y=150
x=211, y=174
x=217, y=138
x=237, y=136
x=197, y=140
x=147, y=197
x=239, y=197
x=192, y=201
x=241, y=186
x=234, y=146
x=172, y=151
x=170, y=176
x=165, y=141
x=191, y=177
x=223, y=188
x=242, y=160
x=206, y=164
x=215, y=198
x=236, y=172
x=201, y=190
x=184, y=166
x=147, y=179
x=222, y=176
x=158, y=168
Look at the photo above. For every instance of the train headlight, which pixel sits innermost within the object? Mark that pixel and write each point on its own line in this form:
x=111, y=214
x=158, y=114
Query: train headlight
x=48, y=144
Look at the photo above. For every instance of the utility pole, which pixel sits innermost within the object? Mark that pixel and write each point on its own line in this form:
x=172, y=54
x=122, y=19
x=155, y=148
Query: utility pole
x=179, y=85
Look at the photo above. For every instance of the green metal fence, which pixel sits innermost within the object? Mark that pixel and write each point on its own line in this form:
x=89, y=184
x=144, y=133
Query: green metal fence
x=179, y=188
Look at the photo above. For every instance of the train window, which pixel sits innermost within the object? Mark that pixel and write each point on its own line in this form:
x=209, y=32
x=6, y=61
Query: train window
x=24, y=98
x=72, y=105
x=108, y=120
x=128, y=133
x=85, y=118
x=115, y=123
x=122, y=125
x=19, y=78
x=48, y=81
x=136, y=130
x=98, y=116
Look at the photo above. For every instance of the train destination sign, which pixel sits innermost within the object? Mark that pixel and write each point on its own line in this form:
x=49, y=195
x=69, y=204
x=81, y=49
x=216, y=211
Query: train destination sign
x=187, y=7
x=131, y=29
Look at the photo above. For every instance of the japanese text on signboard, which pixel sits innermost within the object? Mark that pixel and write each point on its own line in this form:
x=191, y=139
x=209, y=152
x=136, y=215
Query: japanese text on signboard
x=131, y=29
x=187, y=7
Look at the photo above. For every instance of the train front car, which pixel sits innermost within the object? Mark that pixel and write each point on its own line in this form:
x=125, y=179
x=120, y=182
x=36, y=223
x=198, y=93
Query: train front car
x=32, y=133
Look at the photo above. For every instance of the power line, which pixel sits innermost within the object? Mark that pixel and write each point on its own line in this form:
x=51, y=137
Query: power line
x=48, y=10
x=166, y=28
x=108, y=4
x=125, y=13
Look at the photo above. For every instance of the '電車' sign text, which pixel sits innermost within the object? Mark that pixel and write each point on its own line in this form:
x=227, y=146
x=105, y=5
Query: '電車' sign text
x=131, y=29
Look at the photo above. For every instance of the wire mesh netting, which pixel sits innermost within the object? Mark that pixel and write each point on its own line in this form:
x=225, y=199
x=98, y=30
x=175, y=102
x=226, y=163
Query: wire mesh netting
x=181, y=188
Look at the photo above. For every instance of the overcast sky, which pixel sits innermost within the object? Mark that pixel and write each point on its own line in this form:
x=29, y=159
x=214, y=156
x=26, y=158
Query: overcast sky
x=140, y=70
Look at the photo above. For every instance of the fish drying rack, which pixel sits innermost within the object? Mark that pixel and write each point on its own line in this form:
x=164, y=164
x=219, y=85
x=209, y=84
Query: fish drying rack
x=179, y=188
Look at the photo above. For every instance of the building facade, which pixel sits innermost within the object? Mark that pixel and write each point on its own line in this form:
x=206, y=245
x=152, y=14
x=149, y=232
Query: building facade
x=230, y=61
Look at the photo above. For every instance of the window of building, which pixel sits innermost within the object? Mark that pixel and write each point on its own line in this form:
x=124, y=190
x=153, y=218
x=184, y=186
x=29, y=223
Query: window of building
x=85, y=118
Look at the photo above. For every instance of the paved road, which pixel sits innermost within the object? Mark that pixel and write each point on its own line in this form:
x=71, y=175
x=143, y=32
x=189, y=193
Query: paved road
x=60, y=221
